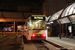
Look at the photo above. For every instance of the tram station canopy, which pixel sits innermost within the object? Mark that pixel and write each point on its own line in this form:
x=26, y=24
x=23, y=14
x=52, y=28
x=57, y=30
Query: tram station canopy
x=67, y=16
x=56, y=15
x=69, y=10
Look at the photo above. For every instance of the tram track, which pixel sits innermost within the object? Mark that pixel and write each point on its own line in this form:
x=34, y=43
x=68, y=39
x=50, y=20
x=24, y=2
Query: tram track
x=13, y=43
x=40, y=45
x=3, y=37
x=3, y=41
x=13, y=40
x=55, y=45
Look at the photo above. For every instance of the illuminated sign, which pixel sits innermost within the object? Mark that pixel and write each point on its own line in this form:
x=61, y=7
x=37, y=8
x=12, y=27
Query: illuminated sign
x=38, y=17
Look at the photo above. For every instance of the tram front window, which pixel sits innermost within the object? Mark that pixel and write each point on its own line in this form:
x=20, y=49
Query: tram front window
x=37, y=24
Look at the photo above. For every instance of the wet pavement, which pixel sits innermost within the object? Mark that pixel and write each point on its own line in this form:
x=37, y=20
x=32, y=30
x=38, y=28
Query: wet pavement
x=68, y=43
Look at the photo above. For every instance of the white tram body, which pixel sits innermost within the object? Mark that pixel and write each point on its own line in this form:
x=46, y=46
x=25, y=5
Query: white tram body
x=37, y=29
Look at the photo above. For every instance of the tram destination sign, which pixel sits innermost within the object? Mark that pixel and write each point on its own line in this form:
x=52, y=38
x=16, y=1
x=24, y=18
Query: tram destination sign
x=38, y=18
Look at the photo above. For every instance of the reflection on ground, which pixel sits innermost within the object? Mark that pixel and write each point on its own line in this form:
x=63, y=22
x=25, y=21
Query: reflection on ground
x=11, y=42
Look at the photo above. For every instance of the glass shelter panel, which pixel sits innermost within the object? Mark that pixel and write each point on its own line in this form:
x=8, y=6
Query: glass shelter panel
x=64, y=20
x=66, y=13
x=69, y=10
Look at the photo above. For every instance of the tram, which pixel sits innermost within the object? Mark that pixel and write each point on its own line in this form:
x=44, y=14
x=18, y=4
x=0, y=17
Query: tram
x=36, y=27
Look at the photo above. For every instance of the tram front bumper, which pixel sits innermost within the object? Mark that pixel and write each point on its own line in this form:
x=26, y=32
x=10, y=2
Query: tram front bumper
x=38, y=38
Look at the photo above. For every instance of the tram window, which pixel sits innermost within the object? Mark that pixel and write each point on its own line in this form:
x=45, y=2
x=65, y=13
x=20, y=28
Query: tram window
x=37, y=24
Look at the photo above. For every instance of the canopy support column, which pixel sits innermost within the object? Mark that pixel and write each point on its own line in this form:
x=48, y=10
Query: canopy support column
x=59, y=28
x=14, y=26
x=62, y=30
x=66, y=30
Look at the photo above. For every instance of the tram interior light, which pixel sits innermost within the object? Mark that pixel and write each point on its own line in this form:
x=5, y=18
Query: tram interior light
x=38, y=21
x=30, y=24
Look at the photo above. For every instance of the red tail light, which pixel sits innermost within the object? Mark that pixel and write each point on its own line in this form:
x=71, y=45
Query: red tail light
x=33, y=35
x=44, y=35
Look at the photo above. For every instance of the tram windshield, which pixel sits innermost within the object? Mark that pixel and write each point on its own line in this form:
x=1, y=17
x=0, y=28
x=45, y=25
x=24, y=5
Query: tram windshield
x=37, y=24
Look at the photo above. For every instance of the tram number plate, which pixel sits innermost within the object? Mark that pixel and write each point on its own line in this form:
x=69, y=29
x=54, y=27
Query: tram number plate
x=38, y=35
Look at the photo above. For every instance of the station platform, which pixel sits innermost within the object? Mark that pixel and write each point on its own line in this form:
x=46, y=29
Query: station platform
x=68, y=43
